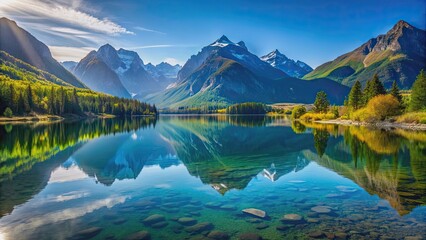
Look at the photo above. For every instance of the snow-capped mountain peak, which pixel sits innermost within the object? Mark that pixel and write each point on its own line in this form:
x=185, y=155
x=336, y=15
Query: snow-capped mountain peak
x=222, y=42
x=289, y=66
x=275, y=58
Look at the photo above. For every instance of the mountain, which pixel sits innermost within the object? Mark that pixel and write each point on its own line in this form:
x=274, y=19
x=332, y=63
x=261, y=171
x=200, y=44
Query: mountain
x=293, y=68
x=123, y=70
x=164, y=73
x=233, y=51
x=98, y=76
x=398, y=55
x=24, y=46
x=224, y=72
x=19, y=70
x=69, y=65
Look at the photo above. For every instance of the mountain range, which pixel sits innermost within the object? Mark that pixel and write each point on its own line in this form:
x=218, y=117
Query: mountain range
x=398, y=55
x=122, y=73
x=221, y=73
x=225, y=72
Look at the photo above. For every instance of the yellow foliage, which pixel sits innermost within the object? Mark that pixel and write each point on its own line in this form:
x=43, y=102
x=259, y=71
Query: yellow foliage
x=378, y=109
x=310, y=116
x=379, y=141
x=412, y=117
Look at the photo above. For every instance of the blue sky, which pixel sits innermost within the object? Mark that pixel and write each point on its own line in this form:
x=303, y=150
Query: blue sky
x=172, y=31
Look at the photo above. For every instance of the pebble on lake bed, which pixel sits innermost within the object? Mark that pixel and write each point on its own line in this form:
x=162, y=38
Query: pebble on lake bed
x=255, y=212
x=218, y=235
x=155, y=218
x=187, y=221
x=88, y=233
x=292, y=218
x=321, y=209
x=141, y=235
x=250, y=236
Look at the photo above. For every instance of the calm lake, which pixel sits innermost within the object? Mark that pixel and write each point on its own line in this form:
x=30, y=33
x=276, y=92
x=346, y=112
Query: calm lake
x=183, y=177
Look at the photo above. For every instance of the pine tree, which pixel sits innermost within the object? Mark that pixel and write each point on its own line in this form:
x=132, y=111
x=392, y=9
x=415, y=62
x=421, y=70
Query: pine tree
x=395, y=91
x=355, y=96
x=321, y=103
x=418, y=93
x=52, y=101
x=30, y=99
x=12, y=98
x=373, y=88
x=20, y=107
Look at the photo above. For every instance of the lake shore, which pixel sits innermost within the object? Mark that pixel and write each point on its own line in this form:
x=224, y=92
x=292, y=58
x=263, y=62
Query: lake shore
x=48, y=118
x=382, y=124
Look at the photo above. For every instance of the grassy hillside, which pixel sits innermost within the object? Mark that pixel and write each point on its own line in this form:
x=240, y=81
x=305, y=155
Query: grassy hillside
x=397, y=55
x=26, y=90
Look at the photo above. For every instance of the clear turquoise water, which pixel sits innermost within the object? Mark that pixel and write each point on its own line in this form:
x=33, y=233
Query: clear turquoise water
x=57, y=180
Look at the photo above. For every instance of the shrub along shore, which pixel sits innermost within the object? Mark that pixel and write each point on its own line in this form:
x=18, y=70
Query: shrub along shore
x=373, y=106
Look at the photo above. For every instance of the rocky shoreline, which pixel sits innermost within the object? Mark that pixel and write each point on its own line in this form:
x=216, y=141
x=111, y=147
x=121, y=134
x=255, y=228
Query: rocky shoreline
x=383, y=124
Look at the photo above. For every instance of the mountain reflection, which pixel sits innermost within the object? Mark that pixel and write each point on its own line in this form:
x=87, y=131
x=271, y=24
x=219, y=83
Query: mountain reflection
x=225, y=152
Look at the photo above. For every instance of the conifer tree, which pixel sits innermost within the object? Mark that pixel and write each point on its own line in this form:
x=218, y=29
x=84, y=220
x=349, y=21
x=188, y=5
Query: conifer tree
x=395, y=91
x=321, y=103
x=418, y=94
x=30, y=99
x=374, y=87
x=355, y=96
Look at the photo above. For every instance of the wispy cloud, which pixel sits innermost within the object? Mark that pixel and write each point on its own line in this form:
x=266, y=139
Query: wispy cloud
x=59, y=12
x=68, y=30
x=62, y=53
x=148, y=30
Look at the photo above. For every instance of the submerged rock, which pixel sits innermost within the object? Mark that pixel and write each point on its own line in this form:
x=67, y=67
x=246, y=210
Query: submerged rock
x=261, y=226
x=292, y=218
x=141, y=235
x=200, y=227
x=160, y=224
x=119, y=221
x=254, y=220
x=87, y=233
x=255, y=212
x=316, y=234
x=218, y=235
x=340, y=235
x=283, y=228
x=321, y=209
x=250, y=236
x=155, y=218
x=187, y=221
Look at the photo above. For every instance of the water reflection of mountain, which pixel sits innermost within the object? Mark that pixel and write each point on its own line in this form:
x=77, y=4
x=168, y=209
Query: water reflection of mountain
x=390, y=164
x=123, y=156
x=227, y=156
x=29, y=153
x=23, y=146
x=222, y=152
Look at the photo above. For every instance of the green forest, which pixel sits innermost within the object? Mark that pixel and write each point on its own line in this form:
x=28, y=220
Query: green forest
x=248, y=108
x=25, y=90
